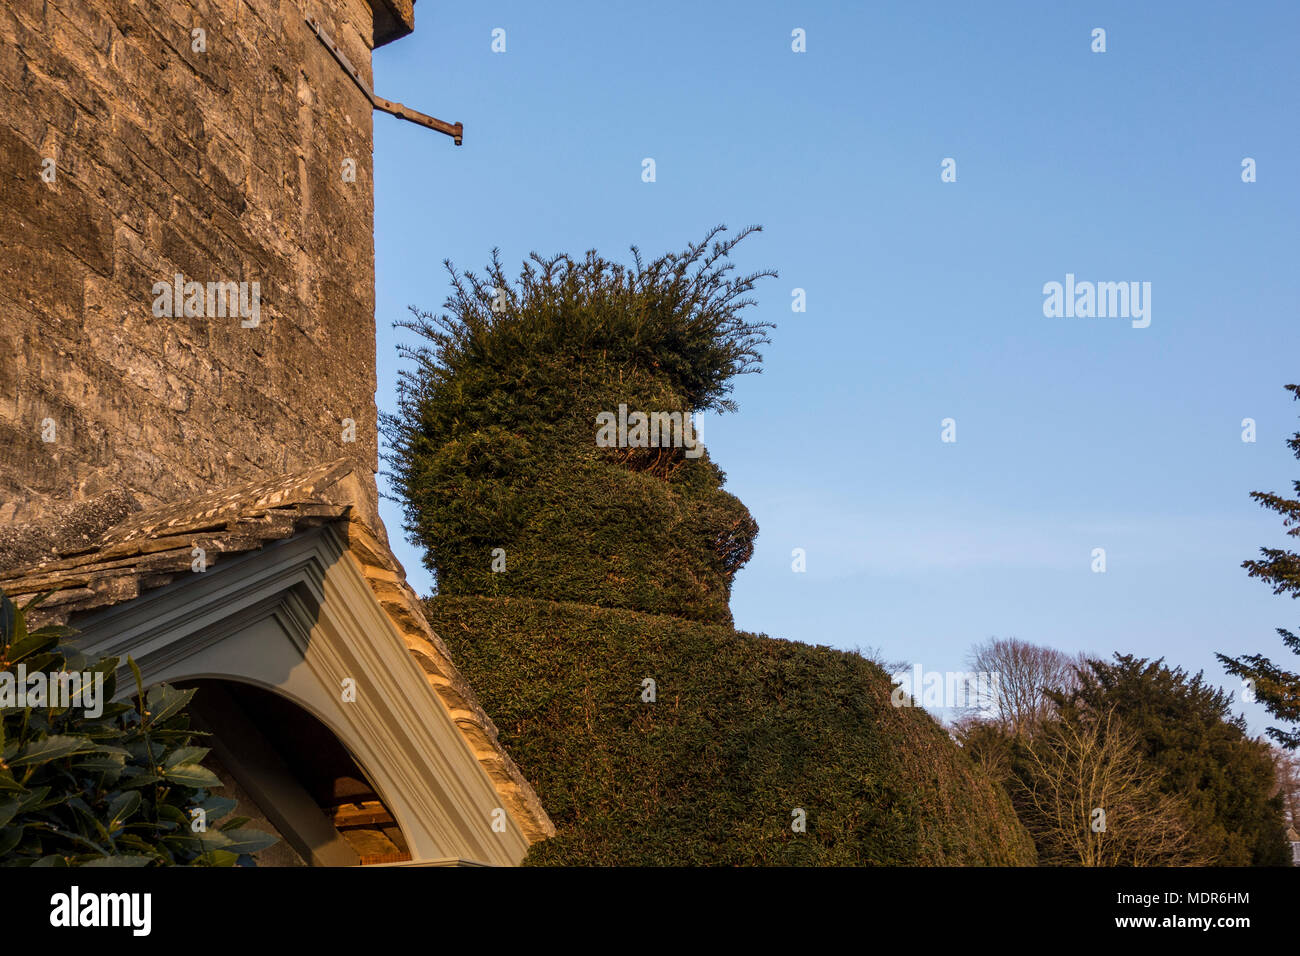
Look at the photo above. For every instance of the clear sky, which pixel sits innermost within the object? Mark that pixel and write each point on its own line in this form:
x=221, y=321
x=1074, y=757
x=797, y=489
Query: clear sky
x=924, y=298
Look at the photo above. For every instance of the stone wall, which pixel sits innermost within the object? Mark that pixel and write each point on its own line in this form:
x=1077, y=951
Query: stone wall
x=224, y=164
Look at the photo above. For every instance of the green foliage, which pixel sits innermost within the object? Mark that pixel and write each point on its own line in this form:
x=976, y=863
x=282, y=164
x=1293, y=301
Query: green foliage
x=1199, y=750
x=1275, y=687
x=744, y=730
x=494, y=444
x=115, y=789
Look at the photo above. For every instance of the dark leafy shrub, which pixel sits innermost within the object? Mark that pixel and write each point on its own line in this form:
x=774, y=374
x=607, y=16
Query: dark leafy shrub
x=121, y=787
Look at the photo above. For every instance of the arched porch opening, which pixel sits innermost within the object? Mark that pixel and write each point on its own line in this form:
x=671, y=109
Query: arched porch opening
x=293, y=776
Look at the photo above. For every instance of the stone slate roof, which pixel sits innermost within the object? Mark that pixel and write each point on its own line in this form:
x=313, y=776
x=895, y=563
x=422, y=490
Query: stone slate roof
x=65, y=527
x=149, y=549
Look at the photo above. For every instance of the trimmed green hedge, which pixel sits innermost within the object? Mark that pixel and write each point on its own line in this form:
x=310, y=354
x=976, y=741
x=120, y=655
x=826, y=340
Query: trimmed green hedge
x=498, y=447
x=745, y=729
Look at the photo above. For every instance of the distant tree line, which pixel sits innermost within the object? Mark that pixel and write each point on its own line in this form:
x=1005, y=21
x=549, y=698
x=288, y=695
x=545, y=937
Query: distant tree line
x=1125, y=762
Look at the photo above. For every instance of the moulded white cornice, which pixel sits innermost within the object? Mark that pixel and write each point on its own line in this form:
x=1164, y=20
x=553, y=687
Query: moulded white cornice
x=297, y=618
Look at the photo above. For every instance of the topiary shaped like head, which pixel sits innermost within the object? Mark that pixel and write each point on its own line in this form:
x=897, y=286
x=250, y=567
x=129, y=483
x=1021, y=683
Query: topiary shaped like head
x=519, y=446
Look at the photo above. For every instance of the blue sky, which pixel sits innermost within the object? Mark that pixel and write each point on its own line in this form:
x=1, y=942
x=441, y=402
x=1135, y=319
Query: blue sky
x=924, y=298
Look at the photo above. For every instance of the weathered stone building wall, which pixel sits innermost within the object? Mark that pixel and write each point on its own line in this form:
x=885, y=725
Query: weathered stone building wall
x=223, y=164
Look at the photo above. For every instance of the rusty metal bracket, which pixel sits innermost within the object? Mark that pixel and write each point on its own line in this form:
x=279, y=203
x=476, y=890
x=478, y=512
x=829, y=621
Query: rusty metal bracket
x=455, y=130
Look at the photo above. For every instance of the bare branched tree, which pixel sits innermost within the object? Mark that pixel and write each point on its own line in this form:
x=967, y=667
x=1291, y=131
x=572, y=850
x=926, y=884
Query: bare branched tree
x=877, y=656
x=1016, y=699
x=1088, y=799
